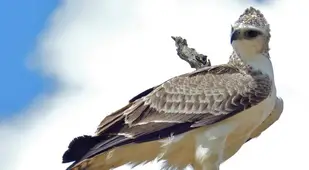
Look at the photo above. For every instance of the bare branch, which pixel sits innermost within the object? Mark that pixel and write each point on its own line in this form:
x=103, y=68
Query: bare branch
x=190, y=55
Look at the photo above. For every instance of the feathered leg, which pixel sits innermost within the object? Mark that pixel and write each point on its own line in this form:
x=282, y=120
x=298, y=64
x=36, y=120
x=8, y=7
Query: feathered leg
x=209, y=152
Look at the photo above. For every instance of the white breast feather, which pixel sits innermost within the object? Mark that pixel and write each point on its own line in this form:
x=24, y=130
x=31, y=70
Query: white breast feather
x=211, y=140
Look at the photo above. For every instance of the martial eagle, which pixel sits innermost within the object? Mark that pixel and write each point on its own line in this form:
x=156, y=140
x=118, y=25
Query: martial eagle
x=200, y=118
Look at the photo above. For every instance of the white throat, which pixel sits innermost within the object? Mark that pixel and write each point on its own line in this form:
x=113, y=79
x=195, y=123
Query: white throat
x=260, y=62
x=251, y=53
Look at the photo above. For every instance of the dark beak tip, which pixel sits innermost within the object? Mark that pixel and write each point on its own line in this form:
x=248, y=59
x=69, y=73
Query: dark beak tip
x=235, y=35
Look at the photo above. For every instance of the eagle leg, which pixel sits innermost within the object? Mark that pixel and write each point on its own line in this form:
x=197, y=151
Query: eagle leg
x=209, y=152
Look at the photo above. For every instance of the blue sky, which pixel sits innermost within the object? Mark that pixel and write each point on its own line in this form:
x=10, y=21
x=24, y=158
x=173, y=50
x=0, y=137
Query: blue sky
x=84, y=44
x=21, y=22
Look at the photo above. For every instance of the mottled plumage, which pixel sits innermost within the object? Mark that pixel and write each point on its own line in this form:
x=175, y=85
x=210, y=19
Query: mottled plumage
x=200, y=118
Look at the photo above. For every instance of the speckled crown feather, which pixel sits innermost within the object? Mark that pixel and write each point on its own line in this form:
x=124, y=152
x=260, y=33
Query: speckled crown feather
x=252, y=18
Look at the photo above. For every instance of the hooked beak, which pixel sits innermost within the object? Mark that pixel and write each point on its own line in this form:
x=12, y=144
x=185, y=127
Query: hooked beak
x=235, y=35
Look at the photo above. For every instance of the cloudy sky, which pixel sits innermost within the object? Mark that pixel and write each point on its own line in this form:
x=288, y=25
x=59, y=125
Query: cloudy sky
x=21, y=22
x=67, y=64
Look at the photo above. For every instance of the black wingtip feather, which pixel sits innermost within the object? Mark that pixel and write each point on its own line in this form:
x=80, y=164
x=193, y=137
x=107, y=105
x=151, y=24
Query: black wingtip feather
x=78, y=147
x=142, y=94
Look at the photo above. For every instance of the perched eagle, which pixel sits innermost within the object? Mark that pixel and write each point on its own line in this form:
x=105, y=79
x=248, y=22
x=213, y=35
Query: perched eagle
x=199, y=119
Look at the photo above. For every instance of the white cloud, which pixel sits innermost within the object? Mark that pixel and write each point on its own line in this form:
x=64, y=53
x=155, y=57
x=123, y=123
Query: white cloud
x=102, y=53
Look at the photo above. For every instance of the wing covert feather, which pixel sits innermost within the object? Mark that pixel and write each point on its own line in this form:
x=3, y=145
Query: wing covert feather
x=200, y=98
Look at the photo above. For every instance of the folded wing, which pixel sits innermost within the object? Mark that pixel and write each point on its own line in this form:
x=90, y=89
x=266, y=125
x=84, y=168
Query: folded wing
x=180, y=104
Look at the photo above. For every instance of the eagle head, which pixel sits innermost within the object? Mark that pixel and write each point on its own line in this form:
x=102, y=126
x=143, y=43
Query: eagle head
x=250, y=34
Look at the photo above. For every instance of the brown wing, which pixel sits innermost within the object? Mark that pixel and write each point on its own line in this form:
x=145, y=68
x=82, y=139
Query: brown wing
x=181, y=104
x=109, y=120
x=142, y=94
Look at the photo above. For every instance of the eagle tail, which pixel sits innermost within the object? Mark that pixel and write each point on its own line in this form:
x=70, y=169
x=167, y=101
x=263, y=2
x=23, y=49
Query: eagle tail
x=79, y=146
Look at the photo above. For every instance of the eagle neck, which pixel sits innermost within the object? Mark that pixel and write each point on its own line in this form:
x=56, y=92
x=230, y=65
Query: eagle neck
x=255, y=64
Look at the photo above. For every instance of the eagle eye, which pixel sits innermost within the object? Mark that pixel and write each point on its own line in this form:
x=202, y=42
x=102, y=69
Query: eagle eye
x=251, y=33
